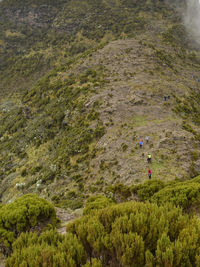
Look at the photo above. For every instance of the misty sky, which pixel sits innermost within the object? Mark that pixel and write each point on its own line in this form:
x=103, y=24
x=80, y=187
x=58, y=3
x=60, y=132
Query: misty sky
x=192, y=19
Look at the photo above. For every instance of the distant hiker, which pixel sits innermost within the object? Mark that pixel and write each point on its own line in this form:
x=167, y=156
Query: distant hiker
x=149, y=173
x=141, y=143
x=147, y=139
x=168, y=97
x=149, y=158
x=165, y=98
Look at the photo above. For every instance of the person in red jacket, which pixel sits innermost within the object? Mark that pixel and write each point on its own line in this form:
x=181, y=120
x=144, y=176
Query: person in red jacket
x=149, y=173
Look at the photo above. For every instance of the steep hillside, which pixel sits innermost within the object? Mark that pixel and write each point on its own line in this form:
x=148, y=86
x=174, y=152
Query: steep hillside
x=76, y=130
x=82, y=82
x=36, y=36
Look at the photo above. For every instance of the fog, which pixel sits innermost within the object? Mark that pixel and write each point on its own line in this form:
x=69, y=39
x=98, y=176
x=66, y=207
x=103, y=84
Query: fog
x=191, y=18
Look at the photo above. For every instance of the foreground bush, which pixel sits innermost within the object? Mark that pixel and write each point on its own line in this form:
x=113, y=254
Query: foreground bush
x=146, y=190
x=140, y=234
x=28, y=213
x=120, y=191
x=49, y=249
x=95, y=203
x=121, y=235
x=186, y=195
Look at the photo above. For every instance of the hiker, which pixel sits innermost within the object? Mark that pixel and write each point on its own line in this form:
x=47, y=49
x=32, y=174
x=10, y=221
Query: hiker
x=149, y=158
x=168, y=97
x=141, y=143
x=165, y=98
x=149, y=173
x=147, y=139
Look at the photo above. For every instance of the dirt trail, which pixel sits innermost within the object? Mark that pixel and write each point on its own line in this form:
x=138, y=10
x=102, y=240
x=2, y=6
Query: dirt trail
x=65, y=217
x=2, y=261
x=131, y=122
x=133, y=106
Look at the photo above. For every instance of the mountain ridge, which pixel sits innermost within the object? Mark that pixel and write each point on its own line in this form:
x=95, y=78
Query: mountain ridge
x=77, y=129
x=82, y=82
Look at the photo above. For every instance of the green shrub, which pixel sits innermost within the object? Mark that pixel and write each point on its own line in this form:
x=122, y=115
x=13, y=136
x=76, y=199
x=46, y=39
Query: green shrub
x=164, y=58
x=48, y=176
x=23, y=172
x=119, y=191
x=27, y=213
x=93, y=263
x=186, y=195
x=175, y=34
x=139, y=234
x=49, y=249
x=126, y=234
x=146, y=190
x=194, y=155
x=99, y=131
x=95, y=203
x=124, y=147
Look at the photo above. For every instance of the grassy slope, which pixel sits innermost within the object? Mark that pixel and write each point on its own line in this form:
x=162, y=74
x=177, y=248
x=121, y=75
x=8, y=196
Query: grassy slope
x=77, y=129
x=37, y=36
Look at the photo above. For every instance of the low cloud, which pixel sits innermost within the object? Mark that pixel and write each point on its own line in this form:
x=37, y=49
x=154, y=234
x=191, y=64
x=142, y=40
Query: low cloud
x=191, y=19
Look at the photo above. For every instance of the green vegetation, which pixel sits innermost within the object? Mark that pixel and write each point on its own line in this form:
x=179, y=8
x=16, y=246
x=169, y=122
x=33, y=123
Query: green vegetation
x=61, y=138
x=184, y=194
x=48, y=249
x=53, y=124
x=119, y=191
x=61, y=31
x=188, y=108
x=135, y=234
x=146, y=190
x=96, y=203
x=28, y=213
x=127, y=234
